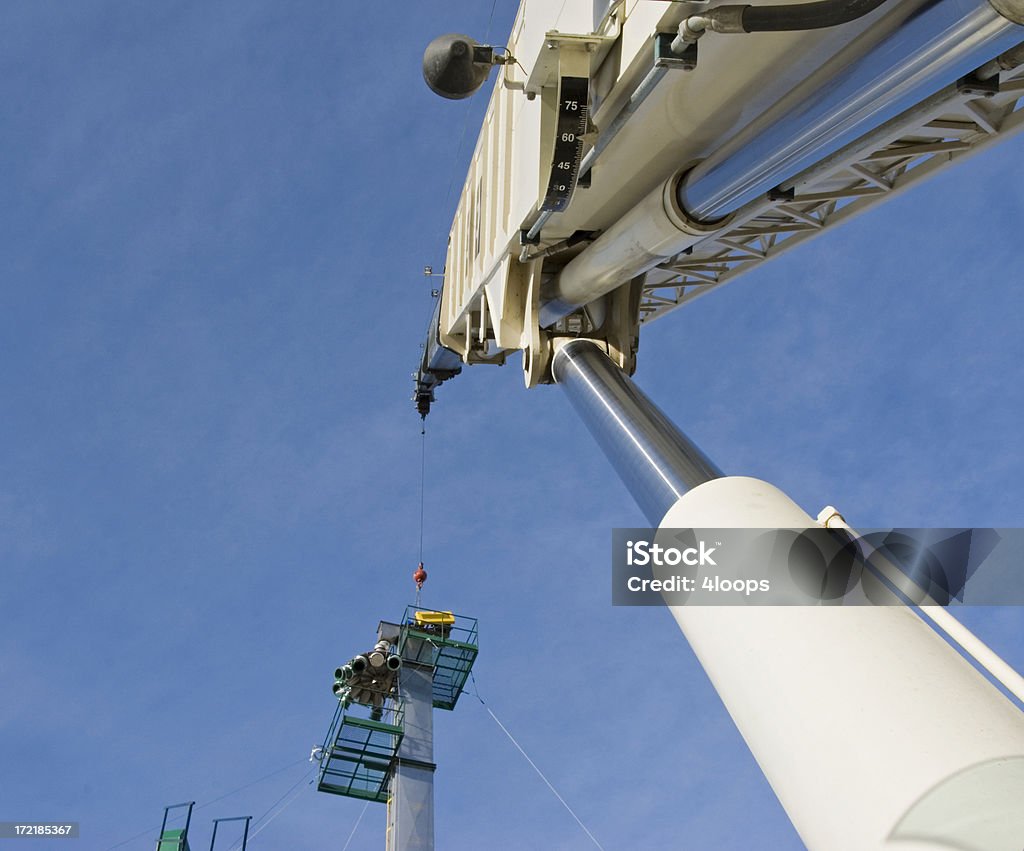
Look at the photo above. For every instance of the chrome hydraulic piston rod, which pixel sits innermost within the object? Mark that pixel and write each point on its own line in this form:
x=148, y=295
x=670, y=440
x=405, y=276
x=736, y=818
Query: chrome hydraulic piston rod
x=874, y=733
x=655, y=460
x=913, y=53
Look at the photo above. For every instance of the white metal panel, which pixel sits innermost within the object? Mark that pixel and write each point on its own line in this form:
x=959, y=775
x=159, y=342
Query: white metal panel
x=685, y=117
x=855, y=714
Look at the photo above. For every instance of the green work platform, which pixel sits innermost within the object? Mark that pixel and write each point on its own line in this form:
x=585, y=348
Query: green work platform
x=444, y=641
x=359, y=754
x=172, y=840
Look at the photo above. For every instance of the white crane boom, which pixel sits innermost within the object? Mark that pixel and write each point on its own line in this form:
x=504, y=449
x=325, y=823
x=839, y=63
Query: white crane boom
x=614, y=180
x=629, y=163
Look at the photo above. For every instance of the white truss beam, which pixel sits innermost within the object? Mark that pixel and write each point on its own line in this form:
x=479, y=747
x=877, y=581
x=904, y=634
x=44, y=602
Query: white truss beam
x=953, y=124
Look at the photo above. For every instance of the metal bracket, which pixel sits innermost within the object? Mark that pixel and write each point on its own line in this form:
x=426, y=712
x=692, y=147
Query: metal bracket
x=526, y=239
x=972, y=85
x=664, y=57
x=545, y=69
x=535, y=342
x=416, y=763
x=777, y=194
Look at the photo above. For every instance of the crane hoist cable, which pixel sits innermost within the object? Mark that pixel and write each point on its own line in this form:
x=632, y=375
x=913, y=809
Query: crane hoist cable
x=419, y=575
x=423, y=479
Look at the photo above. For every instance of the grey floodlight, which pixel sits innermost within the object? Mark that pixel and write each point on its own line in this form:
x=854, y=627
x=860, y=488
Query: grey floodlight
x=455, y=65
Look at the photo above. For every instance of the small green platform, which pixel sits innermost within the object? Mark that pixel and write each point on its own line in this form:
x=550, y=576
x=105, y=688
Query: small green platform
x=359, y=754
x=451, y=649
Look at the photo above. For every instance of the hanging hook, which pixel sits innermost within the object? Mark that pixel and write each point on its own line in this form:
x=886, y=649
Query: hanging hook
x=419, y=576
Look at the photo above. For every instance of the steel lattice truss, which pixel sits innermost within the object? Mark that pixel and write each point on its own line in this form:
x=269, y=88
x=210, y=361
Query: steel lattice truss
x=955, y=123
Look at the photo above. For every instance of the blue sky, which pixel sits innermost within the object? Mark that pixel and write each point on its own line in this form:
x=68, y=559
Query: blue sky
x=214, y=224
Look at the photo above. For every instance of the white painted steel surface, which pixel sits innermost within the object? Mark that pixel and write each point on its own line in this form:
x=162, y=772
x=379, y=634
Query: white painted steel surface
x=942, y=130
x=410, y=825
x=685, y=118
x=871, y=729
x=907, y=56
x=862, y=718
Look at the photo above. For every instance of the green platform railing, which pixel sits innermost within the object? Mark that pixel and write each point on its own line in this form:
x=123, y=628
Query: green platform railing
x=450, y=648
x=359, y=754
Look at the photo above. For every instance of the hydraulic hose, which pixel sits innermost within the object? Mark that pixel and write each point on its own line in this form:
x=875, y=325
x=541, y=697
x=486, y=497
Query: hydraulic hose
x=805, y=16
x=748, y=19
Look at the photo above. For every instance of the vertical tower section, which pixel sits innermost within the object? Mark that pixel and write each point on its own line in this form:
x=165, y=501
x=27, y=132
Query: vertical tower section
x=411, y=800
x=438, y=649
x=380, y=745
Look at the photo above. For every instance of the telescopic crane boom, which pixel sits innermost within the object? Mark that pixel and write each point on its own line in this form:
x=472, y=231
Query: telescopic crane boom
x=635, y=158
x=636, y=155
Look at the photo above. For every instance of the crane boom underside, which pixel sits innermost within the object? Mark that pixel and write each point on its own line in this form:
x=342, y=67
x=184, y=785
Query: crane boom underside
x=952, y=125
x=620, y=248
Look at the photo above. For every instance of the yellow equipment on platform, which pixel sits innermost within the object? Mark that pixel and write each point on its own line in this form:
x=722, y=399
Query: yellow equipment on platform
x=435, y=618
